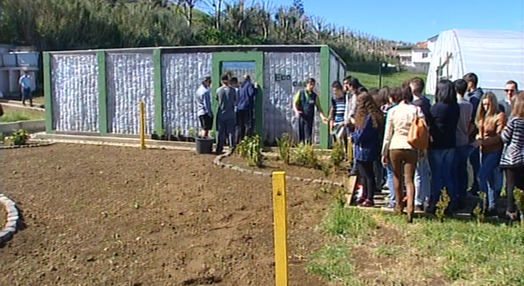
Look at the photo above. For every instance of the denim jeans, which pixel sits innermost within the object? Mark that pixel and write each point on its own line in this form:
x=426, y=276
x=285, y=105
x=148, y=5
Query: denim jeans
x=391, y=184
x=422, y=182
x=460, y=169
x=474, y=160
x=379, y=173
x=440, y=162
x=490, y=172
x=226, y=127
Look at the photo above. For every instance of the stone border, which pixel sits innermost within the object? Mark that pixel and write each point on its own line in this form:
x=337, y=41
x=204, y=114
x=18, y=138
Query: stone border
x=219, y=158
x=28, y=145
x=13, y=218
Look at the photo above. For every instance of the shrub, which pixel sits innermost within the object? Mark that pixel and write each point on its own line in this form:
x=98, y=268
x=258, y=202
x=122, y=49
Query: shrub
x=250, y=148
x=305, y=155
x=284, y=148
x=337, y=154
x=18, y=138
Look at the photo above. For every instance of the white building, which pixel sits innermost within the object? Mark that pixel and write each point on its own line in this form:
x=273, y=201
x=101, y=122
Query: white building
x=414, y=58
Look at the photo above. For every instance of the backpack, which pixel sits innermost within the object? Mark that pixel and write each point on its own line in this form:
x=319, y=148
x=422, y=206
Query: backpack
x=418, y=135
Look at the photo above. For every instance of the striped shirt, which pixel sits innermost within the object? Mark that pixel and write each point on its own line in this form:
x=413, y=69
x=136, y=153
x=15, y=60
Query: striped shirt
x=339, y=108
x=513, y=138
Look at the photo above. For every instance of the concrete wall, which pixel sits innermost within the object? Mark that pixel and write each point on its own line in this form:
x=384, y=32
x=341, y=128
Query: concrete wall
x=30, y=126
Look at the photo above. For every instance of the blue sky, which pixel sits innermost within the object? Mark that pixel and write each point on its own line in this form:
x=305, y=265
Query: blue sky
x=416, y=20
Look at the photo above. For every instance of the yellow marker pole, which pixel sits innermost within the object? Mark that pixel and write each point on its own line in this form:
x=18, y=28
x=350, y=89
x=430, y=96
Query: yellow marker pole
x=280, y=217
x=142, y=125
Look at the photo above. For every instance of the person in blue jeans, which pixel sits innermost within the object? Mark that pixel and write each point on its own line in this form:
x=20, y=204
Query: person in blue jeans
x=443, y=128
x=25, y=88
x=464, y=148
x=473, y=96
x=490, y=122
x=226, y=117
x=394, y=97
x=422, y=173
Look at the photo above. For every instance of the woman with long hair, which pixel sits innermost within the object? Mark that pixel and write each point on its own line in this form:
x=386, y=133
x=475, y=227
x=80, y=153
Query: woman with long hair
x=397, y=149
x=445, y=115
x=512, y=161
x=490, y=122
x=369, y=121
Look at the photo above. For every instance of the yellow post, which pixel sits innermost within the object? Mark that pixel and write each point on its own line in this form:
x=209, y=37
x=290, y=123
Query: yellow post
x=142, y=125
x=280, y=217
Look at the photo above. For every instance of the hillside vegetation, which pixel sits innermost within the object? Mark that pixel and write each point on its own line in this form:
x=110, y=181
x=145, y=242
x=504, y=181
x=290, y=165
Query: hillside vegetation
x=89, y=24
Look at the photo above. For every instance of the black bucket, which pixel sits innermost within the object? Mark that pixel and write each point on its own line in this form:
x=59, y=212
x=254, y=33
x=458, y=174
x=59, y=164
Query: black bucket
x=204, y=145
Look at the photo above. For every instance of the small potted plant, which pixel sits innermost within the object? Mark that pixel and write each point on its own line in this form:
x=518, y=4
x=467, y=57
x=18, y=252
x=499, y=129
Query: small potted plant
x=155, y=136
x=173, y=136
x=192, y=135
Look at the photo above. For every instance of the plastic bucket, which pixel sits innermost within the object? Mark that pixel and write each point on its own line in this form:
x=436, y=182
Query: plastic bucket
x=204, y=145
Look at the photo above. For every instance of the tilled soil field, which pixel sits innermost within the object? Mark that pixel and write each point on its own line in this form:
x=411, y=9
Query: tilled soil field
x=99, y=215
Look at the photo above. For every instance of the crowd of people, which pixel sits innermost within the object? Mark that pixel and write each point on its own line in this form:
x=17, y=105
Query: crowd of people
x=424, y=147
x=236, y=110
x=400, y=138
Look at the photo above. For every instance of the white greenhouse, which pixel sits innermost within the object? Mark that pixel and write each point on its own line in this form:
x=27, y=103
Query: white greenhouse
x=495, y=56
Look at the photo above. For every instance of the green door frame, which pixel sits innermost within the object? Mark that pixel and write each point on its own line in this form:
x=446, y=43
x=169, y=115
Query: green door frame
x=258, y=58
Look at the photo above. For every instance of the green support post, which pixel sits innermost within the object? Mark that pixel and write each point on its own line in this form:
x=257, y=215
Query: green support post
x=325, y=93
x=48, y=93
x=159, y=103
x=102, y=93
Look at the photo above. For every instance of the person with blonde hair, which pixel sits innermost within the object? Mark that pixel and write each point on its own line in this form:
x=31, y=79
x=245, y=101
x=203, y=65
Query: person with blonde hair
x=490, y=122
x=512, y=161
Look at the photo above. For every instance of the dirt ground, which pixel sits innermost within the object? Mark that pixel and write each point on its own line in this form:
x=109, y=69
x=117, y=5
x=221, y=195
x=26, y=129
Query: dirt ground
x=98, y=215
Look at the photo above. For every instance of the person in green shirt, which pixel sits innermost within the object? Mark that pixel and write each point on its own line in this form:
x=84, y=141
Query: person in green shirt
x=305, y=104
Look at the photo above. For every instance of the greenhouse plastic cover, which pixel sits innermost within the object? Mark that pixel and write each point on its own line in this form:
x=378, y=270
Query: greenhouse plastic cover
x=495, y=56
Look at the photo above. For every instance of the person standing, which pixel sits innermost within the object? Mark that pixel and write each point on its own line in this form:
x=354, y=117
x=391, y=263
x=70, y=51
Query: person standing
x=204, y=109
x=422, y=174
x=510, y=90
x=305, y=104
x=353, y=87
x=441, y=153
x=490, y=121
x=226, y=117
x=25, y=88
x=512, y=160
x=464, y=148
x=473, y=96
x=245, y=109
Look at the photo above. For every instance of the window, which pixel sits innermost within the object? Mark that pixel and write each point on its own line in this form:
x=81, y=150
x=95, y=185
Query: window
x=424, y=55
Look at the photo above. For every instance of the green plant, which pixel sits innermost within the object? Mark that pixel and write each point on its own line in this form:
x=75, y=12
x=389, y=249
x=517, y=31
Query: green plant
x=479, y=211
x=519, y=201
x=305, y=155
x=250, y=148
x=338, y=153
x=192, y=132
x=284, y=148
x=442, y=205
x=17, y=138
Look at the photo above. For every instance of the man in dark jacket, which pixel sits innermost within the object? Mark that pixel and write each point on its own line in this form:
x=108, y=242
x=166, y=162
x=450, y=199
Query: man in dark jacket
x=245, y=109
x=473, y=96
x=505, y=104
